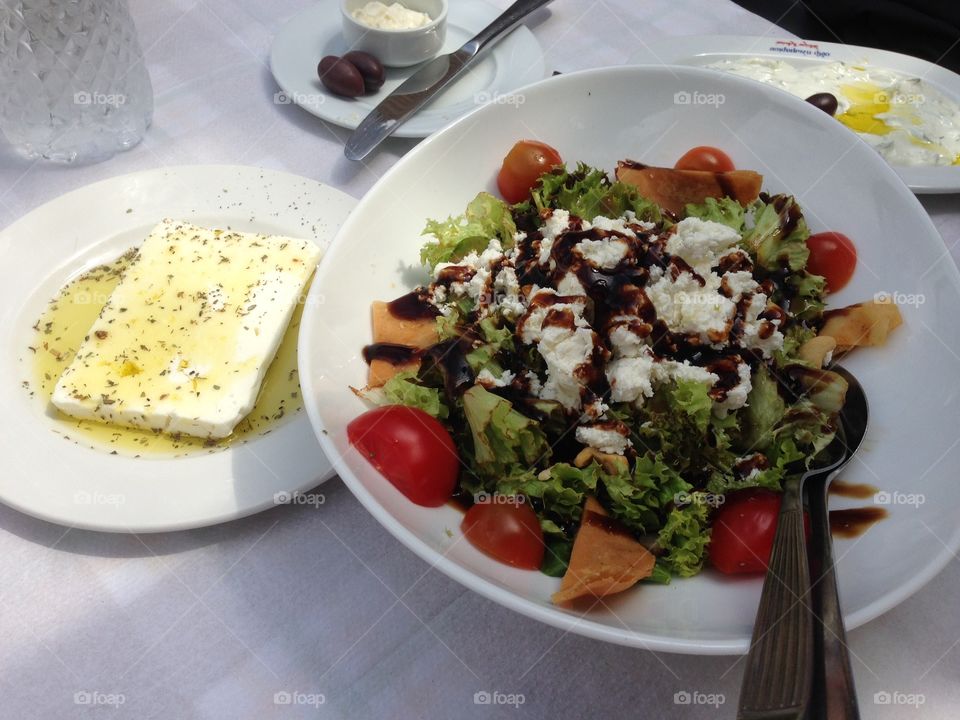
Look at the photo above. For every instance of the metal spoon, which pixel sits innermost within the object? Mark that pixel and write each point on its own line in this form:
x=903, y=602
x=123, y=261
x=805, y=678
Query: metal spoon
x=834, y=695
x=778, y=675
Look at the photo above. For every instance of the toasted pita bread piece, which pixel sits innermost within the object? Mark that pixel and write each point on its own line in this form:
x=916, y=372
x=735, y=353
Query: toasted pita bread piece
x=382, y=370
x=861, y=325
x=673, y=189
x=613, y=464
x=815, y=350
x=417, y=333
x=387, y=328
x=606, y=558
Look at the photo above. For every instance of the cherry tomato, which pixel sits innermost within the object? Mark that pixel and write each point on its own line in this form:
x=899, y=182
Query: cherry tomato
x=743, y=530
x=704, y=157
x=411, y=449
x=523, y=166
x=834, y=256
x=506, y=529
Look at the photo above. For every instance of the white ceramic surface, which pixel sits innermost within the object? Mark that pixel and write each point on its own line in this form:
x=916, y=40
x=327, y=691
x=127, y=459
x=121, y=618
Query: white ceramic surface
x=600, y=116
x=50, y=477
x=300, y=44
x=397, y=48
x=699, y=50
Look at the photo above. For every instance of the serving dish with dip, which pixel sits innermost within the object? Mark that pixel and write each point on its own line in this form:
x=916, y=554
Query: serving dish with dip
x=908, y=109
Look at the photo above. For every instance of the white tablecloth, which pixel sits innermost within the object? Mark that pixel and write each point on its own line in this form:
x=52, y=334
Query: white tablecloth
x=322, y=602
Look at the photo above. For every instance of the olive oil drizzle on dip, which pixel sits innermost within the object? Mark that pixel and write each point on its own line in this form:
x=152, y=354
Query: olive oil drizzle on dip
x=62, y=327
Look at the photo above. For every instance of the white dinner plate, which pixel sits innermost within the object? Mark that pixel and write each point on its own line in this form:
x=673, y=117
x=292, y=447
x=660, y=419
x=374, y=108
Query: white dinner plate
x=515, y=61
x=52, y=478
x=699, y=50
x=599, y=117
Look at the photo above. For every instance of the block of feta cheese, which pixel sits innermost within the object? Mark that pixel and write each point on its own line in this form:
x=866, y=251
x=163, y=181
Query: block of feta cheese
x=185, y=339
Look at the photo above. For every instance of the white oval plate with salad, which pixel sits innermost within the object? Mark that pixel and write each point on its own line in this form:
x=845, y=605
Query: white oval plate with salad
x=315, y=33
x=702, y=50
x=82, y=482
x=600, y=117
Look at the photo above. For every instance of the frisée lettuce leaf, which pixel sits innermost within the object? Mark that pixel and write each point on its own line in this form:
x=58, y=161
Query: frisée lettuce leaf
x=684, y=537
x=587, y=192
x=403, y=389
x=722, y=210
x=486, y=217
x=779, y=234
x=502, y=437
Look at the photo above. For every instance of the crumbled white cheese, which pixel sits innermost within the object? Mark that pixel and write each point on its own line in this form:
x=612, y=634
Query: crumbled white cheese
x=488, y=379
x=687, y=307
x=533, y=320
x=605, y=254
x=492, y=253
x=594, y=410
x=631, y=217
x=737, y=395
x=481, y=264
x=570, y=285
x=546, y=246
x=667, y=370
x=533, y=382
x=630, y=378
x=603, y=439
x=564, y=350
x=740, y=283
x=555, y=225
x=613, y=225
x=751, y=328
x=507, y=296
x=623, y=341
x=701, y=243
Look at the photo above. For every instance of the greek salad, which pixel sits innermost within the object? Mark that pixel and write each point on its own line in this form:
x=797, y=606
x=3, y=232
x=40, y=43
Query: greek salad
x=611, y=374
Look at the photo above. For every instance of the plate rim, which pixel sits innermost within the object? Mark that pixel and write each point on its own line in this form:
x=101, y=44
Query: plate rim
x=229, y=174
x=508, y=598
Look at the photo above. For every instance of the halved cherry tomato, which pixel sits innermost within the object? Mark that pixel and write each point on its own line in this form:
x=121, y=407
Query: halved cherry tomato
x=523, y=166
x=743, y=530
x=704, y=157
x=834, y=256
x=506, y=529
x=411, y=449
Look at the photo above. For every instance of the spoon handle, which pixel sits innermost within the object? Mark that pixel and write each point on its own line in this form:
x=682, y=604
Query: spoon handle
x=777, y=676
x=834, y=694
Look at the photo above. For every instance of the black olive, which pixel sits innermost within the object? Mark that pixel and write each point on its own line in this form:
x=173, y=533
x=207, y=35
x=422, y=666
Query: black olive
x=340, y=76
x=825, y=101
x=370, y=68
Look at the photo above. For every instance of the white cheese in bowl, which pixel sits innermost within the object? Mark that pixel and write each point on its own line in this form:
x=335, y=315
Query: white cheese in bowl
x=380, y=16
x=185, y=339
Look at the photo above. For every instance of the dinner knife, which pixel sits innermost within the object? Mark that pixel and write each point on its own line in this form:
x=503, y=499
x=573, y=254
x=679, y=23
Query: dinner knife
x=429, y=81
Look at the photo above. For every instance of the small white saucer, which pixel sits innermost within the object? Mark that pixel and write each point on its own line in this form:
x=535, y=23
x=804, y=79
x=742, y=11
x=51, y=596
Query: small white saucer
x=515, y=61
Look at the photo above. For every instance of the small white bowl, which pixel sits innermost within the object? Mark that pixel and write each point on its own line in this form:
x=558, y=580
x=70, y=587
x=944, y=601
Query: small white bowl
x=397, y=48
